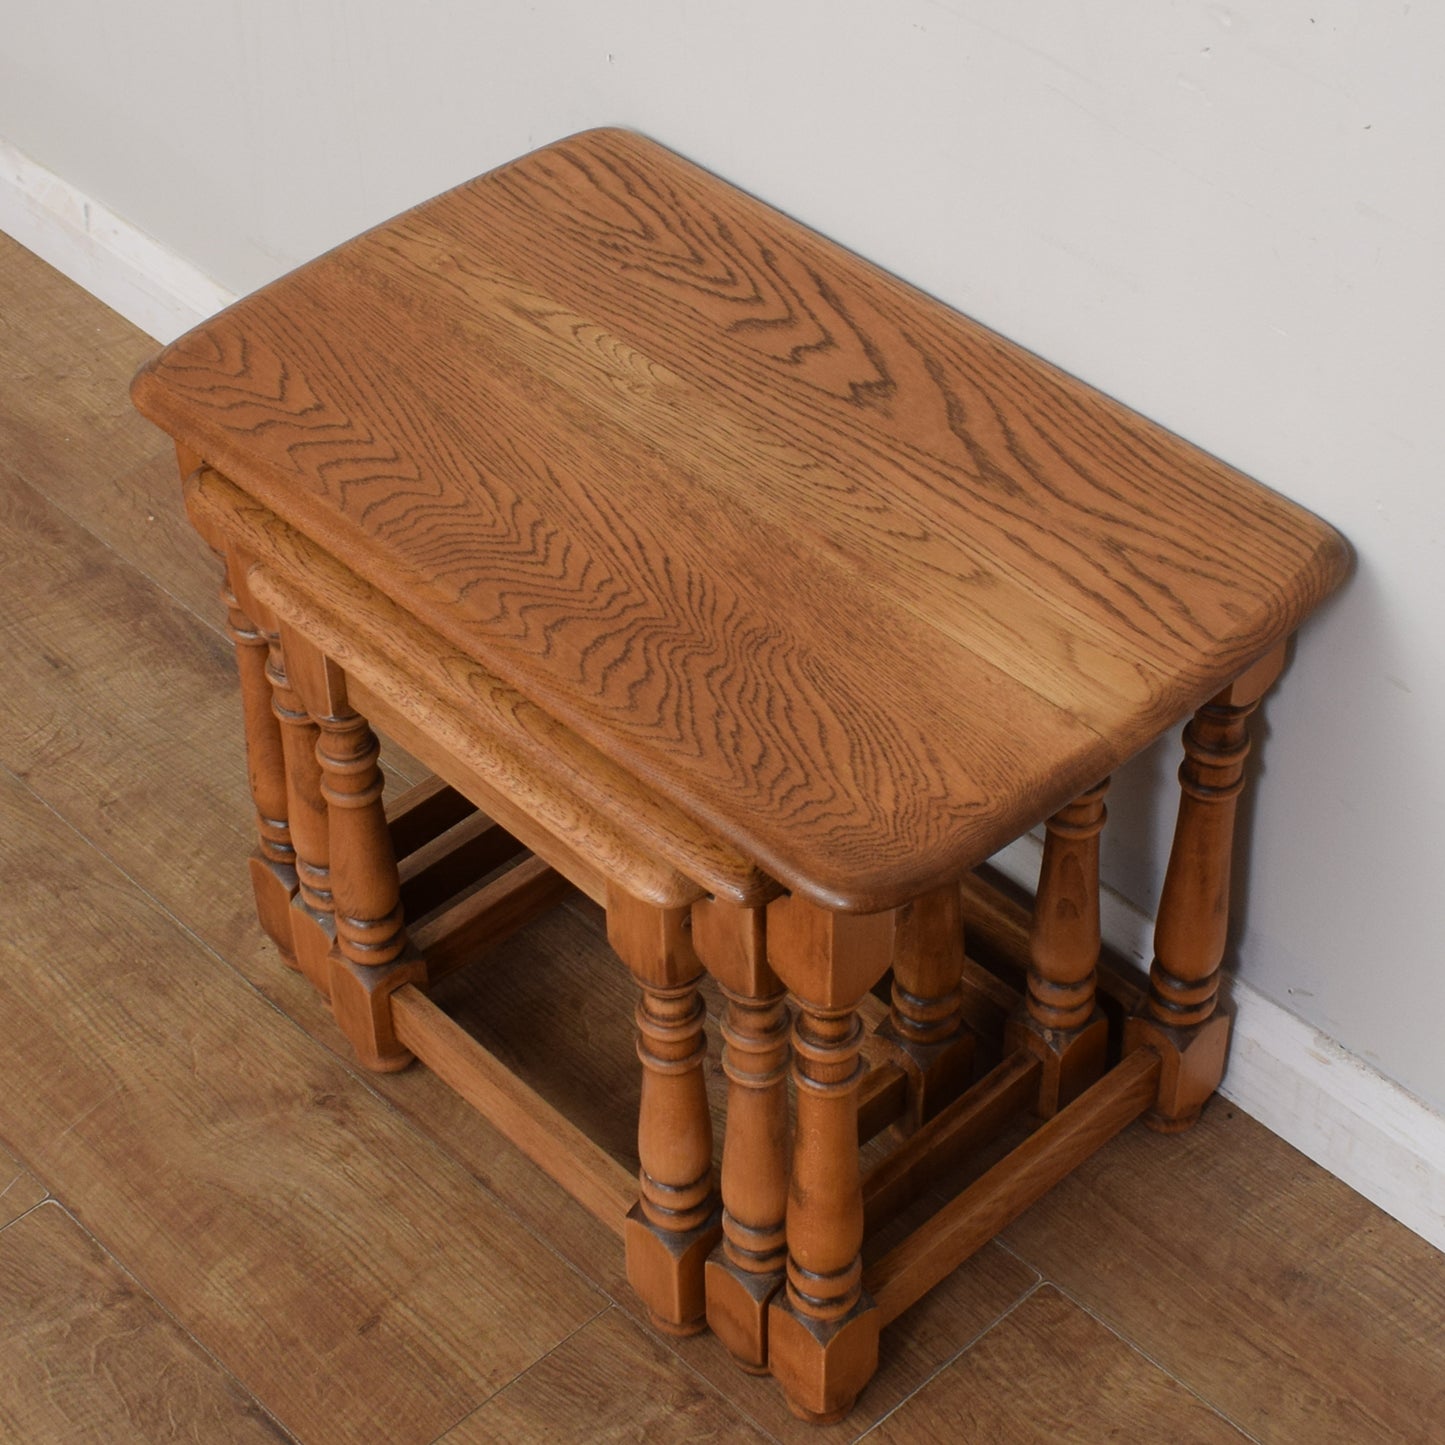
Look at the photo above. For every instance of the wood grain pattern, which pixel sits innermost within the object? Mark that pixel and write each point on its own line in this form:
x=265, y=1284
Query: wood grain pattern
x=609, y=1382
x=602, y=420
x=589, y=1174
x=1050, y=1373
x=1022, y=1177
x=304, y=1235
x=1288, y=1301
x=85, y=1354
x=19, y=1189
x=525, y=754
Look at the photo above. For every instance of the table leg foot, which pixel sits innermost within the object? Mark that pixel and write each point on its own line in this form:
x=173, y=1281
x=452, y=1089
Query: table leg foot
x=737, y=1310
x=1072, y=1059
x=361, y=1002
x=1193, y=1064
x=822, y=1365
x=666, y=1270
x=274, y=886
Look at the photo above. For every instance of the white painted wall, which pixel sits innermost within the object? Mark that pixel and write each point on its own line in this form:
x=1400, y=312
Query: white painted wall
x=1229, y=215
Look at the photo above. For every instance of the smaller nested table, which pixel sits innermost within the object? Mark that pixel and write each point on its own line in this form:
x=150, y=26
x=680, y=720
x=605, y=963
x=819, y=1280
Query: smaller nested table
x=722, y=576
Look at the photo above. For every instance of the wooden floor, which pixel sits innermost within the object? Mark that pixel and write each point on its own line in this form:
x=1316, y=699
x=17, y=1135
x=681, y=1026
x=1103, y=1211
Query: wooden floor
x=213, y=1227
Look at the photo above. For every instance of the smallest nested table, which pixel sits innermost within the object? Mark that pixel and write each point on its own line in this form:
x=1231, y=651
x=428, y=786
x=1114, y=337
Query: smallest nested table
x=735, y=582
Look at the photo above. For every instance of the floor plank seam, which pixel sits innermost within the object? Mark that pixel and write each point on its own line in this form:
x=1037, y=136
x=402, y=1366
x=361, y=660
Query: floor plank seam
x=522, y=1374
x=733, y=1405
x=161, y=1308
x=993, y=1324
x=1159, y=1365
x=26, y=1213
x=162, y=908
x=1307, y=1374
x=362, y=1077
x=353, y=1069
x=212, y=625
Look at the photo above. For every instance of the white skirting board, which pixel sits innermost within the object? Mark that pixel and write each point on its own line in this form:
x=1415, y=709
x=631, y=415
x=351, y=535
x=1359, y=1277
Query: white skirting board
x=150, y=286
x=1333, y=1107
x=1298, y=1083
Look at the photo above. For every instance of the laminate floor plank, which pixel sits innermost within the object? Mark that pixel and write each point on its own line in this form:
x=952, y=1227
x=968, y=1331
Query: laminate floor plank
x=85, y=1355
x=19, y=1189
x=106, y=687
x=1269, y=1287
x=359, y=1282
x=1051, y=1373
x=65, y=365
x=610, y=1382
x=68, y=429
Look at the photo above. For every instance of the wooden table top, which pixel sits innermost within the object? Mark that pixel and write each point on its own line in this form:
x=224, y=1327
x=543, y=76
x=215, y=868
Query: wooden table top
x=849, y=578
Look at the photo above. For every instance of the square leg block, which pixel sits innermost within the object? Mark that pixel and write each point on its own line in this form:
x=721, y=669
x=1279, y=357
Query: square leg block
x=822, y=1367
x=1193, y=1064
x=274, y=886
x=361, y=1002
x=737, y=1310
x=1072, y=1059
x=667, y=1271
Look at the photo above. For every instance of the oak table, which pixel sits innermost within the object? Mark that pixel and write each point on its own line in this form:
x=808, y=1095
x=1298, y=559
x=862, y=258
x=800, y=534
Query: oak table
x=722, y=575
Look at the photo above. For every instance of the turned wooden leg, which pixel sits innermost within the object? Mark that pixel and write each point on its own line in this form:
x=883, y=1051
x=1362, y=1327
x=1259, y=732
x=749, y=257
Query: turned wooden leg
x=746, y=1269
x=675, y=1223
x=823, y=1327
x=371, y=957
x=273, y=864
x=1060, y=1020
x=925, y=1022
x=1179, y=1020
x=312, y=921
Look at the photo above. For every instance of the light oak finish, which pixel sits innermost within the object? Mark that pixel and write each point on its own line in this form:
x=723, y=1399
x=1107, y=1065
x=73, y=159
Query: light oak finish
x=1028, y=1172
x=676, y=1221
x=313, y=910
x=274, y=878
x=457, y=935
x=602, y=375
x=925, y=1024
x=967, y=1124
x=1060, y=1021
x=519, y=752
x=1180, y=1023
x=823, y=1328
x=450, y=861
x=747, y=1268
x=607, y=560
x=423, y=812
